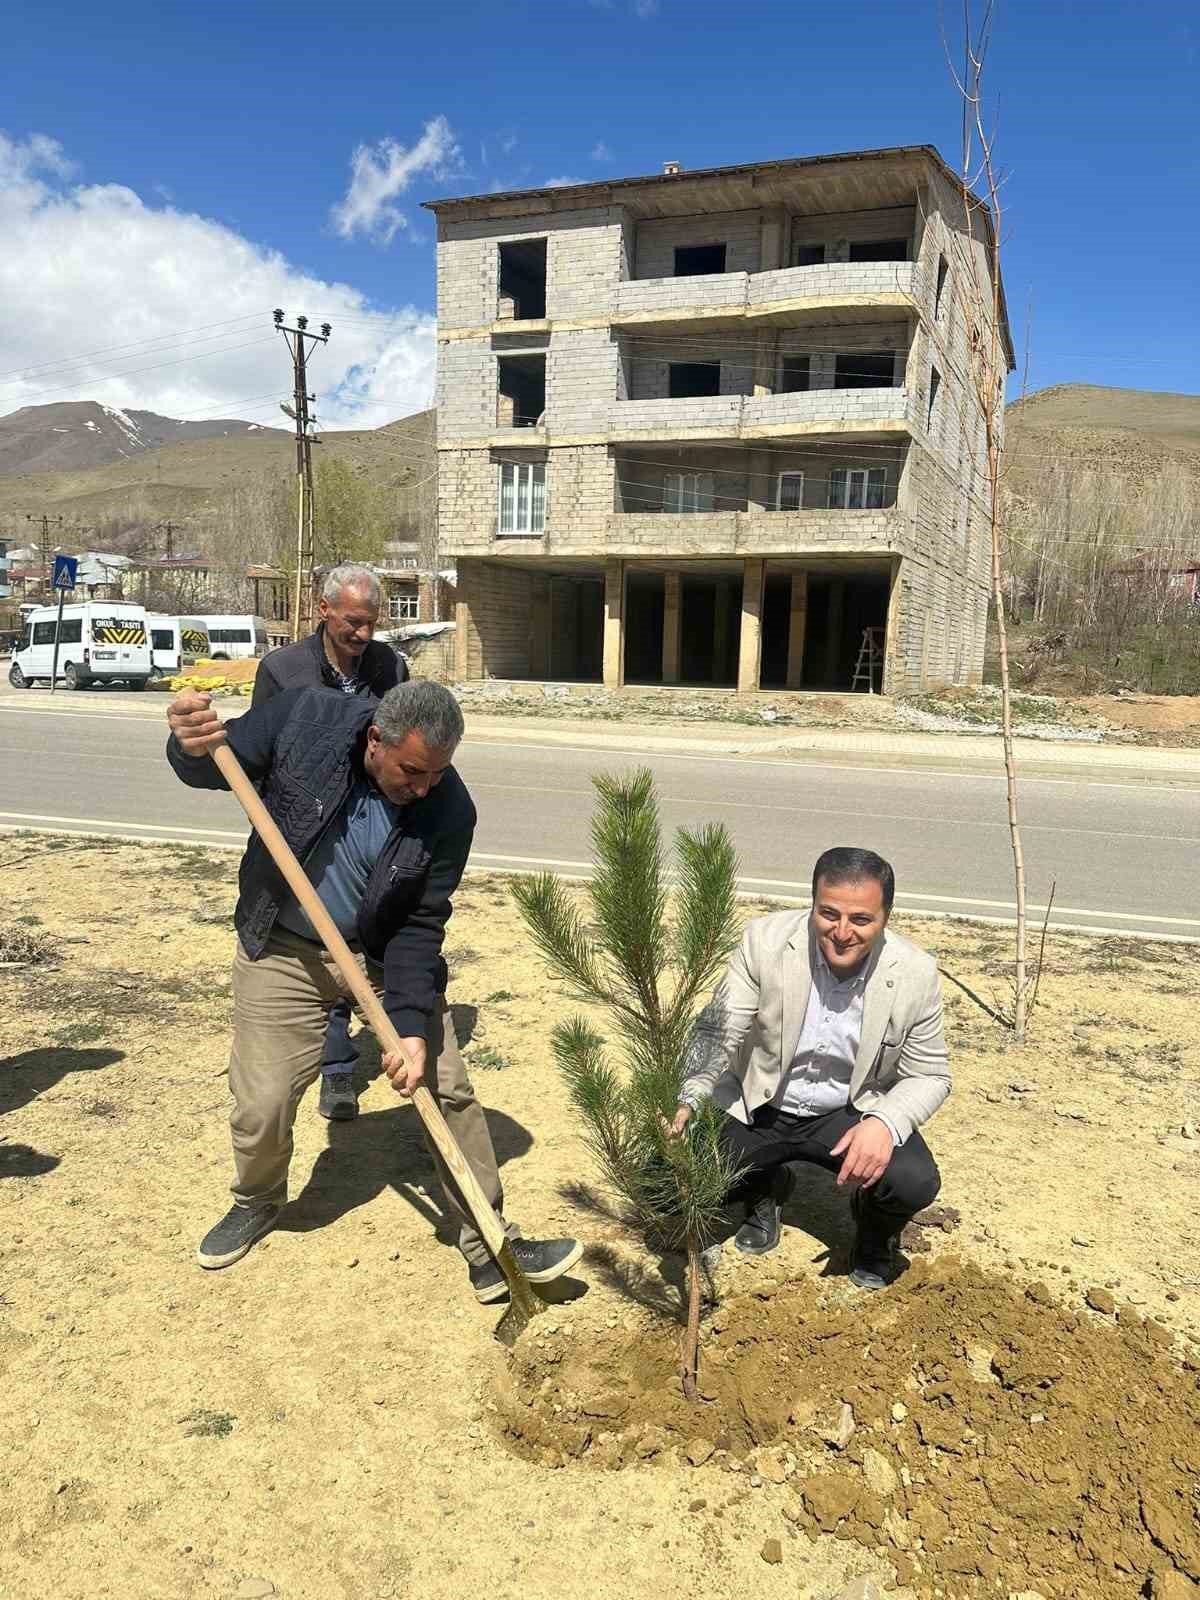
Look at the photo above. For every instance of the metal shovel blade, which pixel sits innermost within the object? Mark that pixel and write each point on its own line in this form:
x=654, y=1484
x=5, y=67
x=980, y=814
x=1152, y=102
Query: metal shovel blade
x=524, y=1302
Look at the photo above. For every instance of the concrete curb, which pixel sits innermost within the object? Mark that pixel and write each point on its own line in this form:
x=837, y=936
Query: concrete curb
x=977, y=753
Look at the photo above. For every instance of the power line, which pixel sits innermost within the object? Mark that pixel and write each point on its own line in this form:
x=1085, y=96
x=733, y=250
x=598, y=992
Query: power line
x=134, y=345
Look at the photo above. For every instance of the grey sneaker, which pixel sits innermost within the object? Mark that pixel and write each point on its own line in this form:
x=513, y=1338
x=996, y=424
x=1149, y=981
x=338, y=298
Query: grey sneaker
x=541, y=1260
x=339, y=1098
x=488, y=1282
x=237, y=1232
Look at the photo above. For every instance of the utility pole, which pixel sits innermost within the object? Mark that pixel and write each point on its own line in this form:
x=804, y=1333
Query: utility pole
x=46, y=553
x=298, y=340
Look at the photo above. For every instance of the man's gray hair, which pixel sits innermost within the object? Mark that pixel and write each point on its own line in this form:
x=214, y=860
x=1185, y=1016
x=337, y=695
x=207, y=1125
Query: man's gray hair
x=351, y=576
x=420, y=707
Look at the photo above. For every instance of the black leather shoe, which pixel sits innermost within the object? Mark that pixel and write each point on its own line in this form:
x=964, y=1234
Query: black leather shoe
x=761, y=1229
x=873, y=1257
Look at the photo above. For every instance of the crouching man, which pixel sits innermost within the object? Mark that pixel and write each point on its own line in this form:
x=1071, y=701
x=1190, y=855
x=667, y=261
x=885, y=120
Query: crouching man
x=365, y=794
x=823, y=1042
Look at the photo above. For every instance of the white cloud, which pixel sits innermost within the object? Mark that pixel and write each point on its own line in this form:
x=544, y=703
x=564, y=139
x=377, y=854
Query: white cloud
x=175, y=309
x=562, y=183
x=600, y=151
x=643, y=10
x=379, y=174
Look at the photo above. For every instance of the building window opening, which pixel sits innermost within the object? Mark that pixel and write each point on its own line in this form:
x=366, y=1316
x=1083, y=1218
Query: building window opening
x=523, y=281
x=879, y=250
x=935, y=384
x=404, y=603
x=943, y=269
x=693, y=380
x=863, y=369
x=790, y=493
x=521, y=401
x=795, y=376
x=522, y=498
x=688, y=491
x=699, y=260
x=857, y=488
x=808, y=255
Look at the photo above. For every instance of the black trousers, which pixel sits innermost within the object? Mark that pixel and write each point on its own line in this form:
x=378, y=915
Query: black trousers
x=909, y=1184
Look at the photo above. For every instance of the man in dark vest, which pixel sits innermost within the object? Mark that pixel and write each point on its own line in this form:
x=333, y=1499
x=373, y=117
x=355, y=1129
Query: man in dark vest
x=341, y=654
x=366, y=794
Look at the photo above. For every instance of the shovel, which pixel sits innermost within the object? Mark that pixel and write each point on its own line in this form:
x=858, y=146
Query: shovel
x=524, y=1301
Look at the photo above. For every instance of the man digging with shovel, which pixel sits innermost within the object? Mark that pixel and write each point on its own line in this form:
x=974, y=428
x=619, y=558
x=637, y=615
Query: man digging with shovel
x=365, y=795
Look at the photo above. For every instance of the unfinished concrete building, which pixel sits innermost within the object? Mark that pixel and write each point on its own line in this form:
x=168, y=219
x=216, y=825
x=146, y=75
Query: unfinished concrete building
x=718, y=428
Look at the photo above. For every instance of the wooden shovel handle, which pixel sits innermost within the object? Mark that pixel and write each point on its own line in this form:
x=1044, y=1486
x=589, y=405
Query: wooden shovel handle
x=360, y=986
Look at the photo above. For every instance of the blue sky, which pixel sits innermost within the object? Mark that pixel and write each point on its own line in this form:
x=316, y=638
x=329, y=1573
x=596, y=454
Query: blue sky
x=199, y=157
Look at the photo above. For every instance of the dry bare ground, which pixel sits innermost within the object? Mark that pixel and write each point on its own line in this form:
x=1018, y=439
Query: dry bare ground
x=322, y=1419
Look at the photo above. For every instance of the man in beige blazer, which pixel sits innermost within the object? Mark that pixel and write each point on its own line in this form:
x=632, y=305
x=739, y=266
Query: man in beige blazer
x=823, y=1042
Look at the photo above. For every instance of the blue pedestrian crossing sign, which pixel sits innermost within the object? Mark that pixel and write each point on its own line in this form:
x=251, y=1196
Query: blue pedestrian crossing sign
x=64, y=571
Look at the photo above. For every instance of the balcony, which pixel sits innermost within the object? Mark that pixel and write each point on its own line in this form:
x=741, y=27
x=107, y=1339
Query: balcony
x=735, y=416
x=841, y=291
x=753, y=533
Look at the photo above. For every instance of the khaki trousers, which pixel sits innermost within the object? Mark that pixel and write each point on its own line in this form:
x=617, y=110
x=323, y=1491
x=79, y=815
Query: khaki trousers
x=281, y=1005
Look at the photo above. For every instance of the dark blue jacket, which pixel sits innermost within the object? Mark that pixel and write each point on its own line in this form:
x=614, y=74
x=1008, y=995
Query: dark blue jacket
x=305, y=665
x=304, y=749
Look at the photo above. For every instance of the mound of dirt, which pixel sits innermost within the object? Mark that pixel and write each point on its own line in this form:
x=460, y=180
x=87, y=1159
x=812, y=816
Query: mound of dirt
x=977, y=1434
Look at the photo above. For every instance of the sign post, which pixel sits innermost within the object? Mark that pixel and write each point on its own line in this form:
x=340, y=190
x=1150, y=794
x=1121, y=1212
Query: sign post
x=64, y=579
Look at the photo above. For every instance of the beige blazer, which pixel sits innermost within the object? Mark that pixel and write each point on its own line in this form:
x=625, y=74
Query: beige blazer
x=747, y=1035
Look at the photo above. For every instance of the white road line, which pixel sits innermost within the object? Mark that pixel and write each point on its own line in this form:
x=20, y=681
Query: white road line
x=579, y=871
x=17, y=818
x=88, y=716
x=584, y=868
x=796, y=890
x=1004, y=905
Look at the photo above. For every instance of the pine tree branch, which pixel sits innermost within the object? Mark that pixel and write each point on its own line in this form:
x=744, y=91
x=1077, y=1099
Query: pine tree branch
x=705, y=912
x=559, y=934
x=628, y=893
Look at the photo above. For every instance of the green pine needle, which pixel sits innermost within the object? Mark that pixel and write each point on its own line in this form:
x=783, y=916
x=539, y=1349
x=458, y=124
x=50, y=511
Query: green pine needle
x=646, y=955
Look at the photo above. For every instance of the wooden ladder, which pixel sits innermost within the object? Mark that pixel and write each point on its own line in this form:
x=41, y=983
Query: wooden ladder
x=870, y=660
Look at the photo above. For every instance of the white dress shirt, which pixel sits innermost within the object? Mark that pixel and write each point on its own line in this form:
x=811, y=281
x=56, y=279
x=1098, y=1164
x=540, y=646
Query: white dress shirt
x=818, y=1079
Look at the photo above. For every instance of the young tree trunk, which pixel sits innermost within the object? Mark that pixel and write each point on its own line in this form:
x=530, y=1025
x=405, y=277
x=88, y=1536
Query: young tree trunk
x=689, y=1354
x=1010, y=766
x=987, y=372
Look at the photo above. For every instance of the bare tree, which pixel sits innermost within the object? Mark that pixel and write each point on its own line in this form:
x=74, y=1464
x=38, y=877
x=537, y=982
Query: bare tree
x=981, y=298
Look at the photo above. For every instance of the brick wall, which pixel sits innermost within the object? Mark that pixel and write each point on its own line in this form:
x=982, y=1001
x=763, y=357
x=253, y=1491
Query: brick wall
x=498, y=601
x=657, y=238
x=583, y=264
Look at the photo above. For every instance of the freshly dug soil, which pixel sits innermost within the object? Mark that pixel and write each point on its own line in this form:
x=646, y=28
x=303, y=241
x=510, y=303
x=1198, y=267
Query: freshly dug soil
x=998, y=1440
x=318, y=1417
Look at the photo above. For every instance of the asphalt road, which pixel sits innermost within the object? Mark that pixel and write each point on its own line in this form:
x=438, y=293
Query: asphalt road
x=1122, y=856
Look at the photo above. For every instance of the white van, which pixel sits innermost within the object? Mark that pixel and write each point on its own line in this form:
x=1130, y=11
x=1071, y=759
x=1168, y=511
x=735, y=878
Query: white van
x=232, y=638
x=175, y=642
x=102, y=641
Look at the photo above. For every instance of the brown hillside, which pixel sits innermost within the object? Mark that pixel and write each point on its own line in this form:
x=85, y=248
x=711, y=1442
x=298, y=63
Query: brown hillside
x=1134, y=433
x=194, y=478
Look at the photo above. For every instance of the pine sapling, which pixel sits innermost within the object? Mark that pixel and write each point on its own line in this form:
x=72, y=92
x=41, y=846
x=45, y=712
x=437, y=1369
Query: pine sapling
x=646, y=954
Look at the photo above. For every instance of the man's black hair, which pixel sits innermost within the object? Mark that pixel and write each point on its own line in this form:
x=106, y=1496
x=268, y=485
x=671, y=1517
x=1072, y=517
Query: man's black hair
x=847, y=864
